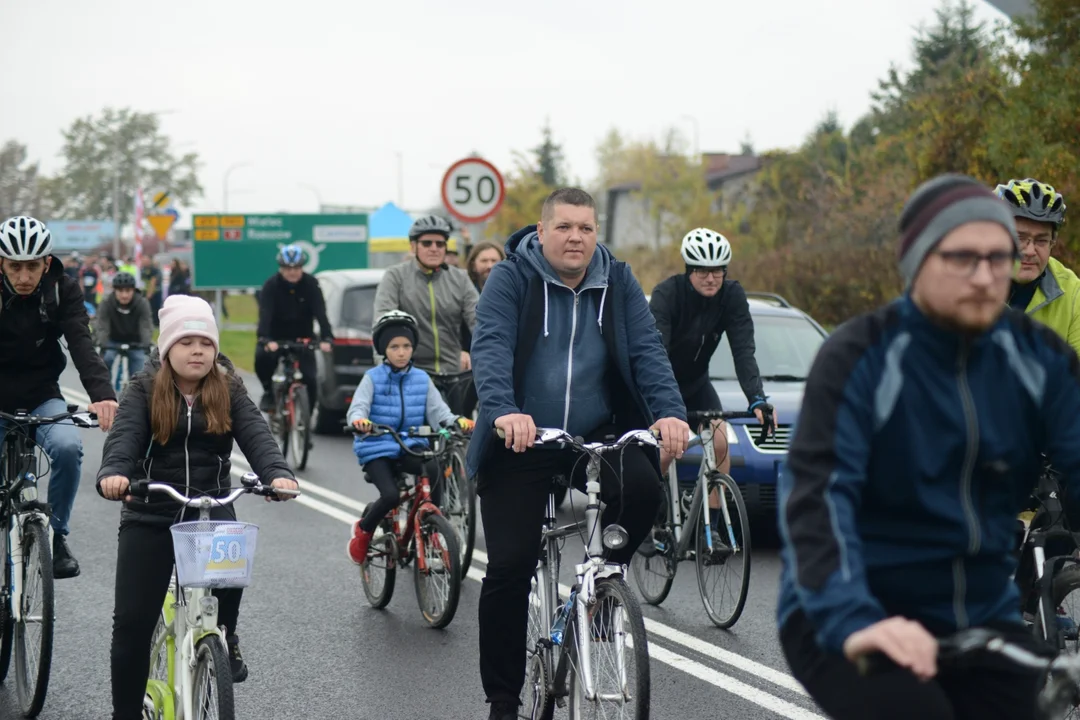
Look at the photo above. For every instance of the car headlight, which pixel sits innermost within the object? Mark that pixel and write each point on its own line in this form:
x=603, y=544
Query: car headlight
x=732, y=438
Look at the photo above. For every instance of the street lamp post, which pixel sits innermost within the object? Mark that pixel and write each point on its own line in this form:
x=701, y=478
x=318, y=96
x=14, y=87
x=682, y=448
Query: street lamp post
x=225, y=184
x=697, y=146
x=400, y=181
x=312, y=188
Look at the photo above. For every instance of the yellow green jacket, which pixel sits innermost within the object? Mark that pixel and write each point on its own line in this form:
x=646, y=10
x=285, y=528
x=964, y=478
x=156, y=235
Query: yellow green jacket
x=1056, y=302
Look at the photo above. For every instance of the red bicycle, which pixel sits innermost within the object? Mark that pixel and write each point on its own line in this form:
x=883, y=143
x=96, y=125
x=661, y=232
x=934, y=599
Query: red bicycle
x=291, y=418
x=415, y=532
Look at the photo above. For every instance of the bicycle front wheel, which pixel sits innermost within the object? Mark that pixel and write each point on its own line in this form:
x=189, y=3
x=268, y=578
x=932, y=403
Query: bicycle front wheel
x=213, y=689
x=618, y=658
x=459, y=507
x=300, y=437
x=34, y=630
x=378, y=572
x=438, y=586
x=723, y=570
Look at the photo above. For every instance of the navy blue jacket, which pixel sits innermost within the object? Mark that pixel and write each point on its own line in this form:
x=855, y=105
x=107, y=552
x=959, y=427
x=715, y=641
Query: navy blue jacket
x=915, y=450
x=510, y=322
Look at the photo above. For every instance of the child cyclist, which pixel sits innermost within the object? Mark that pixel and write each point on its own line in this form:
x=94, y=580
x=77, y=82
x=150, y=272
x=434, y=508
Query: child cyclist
x=176, y=425
x=401, y=396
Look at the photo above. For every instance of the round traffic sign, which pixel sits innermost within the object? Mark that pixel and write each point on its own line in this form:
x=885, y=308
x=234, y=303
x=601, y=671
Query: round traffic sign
x=473, y=190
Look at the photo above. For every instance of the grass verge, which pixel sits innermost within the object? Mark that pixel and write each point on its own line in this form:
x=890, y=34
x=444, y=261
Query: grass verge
x=237, y=345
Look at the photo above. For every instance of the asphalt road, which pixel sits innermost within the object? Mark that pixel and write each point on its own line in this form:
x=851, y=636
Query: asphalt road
x=317, y=650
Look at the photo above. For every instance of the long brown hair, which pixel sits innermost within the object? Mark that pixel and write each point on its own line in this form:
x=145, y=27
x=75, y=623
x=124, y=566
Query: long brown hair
x=475, y=252
x=213, y=392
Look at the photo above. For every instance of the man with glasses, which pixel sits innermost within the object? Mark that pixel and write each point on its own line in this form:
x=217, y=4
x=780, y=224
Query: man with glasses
x=1043, y=287
x=441, y=298
x=922, y=426
x=693, y=310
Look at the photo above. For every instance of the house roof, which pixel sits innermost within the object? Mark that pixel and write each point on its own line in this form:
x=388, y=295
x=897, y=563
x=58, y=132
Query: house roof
x=718, y=168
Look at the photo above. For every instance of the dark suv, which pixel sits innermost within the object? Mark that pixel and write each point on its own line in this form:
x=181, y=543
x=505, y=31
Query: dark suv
x=350, y=304
x=786, y=340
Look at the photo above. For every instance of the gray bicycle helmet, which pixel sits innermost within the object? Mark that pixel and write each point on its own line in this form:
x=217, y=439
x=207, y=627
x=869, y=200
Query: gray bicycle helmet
x=1034, y=200
x=394, y=323
x=123, y=280
x=430, y=224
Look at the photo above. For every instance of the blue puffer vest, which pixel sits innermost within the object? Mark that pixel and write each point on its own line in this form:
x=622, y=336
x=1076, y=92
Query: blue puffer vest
x=400, y=401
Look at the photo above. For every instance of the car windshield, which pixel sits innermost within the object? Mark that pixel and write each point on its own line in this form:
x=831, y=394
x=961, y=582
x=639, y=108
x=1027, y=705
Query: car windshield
x=358, y=308
x=786, y=347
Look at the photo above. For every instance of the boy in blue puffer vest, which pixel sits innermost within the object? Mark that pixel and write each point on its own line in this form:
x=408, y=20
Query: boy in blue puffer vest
x=400, y=396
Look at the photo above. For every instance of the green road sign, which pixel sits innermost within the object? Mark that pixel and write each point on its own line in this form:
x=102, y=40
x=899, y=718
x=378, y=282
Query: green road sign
x=238, y=251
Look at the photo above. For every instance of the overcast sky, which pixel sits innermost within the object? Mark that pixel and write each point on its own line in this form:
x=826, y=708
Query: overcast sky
x=327, y=92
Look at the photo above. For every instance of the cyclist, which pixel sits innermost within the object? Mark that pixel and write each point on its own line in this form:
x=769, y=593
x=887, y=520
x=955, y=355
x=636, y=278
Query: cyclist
x=918, y=441
x=564, y=338
x=441, y=298
x=289, y=302
x=124, y=318
x=189, y=379
x=693, y=310
x=401, y=396
x=1043, y=287
x=39, y=305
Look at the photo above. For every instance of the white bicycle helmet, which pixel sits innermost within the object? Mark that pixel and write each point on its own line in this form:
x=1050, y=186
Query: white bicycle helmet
x=23, y=238
x=704, y=248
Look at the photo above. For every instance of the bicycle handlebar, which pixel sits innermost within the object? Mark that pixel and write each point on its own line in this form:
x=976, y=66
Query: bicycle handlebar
x=79, y=418
x=251, y=484
x=423, y=431
x=300, y=344
x=546, y=436
x=705, y=415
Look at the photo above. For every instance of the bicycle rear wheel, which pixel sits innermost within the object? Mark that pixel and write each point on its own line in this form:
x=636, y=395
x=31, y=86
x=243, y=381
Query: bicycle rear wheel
x=34, y=631
x=7, y=626
x=723, y=573
x=654, y=563
x=300, y=437
x=619, y=657
x=438, y=587
x=213, y=688
x=459, y=507
x=536, y=702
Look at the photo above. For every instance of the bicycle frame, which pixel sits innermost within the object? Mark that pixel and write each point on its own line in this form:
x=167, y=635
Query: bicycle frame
x=1037, y=539
x=19, y=456
x=704, y=439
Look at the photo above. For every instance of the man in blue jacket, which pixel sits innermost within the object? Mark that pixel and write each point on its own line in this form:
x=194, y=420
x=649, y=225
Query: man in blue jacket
x=564, y=338
x=918, y=443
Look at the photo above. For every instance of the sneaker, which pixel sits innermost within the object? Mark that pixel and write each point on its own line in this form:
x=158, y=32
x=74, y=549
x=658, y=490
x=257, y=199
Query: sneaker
x=266, y=404
x=64, y=563
x=236, y=660
x=503, y=711
x=358, y=545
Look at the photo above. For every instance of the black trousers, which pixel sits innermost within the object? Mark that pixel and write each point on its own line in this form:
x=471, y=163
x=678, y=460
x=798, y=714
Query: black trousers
x=513, y=498
x=144, y=563
x=266, y=361
x=383, y=472
x=992, y=689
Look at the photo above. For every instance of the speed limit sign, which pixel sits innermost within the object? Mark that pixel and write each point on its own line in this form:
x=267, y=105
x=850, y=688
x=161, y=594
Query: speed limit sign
x=472, y=190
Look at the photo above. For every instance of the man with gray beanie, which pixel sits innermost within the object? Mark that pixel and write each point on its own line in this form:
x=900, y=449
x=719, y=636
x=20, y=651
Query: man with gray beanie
x=918, y=442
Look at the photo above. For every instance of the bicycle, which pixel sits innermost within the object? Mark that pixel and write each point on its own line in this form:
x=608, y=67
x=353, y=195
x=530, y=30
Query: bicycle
x=26, y=555
x=559, y=649
x=420, y=533
x=1055, y=577
x=291, y=419
x=119, y=370
x=189, y=657
x=962, y=649
x=686, y=516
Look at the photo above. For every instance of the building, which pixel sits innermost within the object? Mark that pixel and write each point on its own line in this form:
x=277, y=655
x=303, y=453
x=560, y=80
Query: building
x=628, y=221
x=1012, y=8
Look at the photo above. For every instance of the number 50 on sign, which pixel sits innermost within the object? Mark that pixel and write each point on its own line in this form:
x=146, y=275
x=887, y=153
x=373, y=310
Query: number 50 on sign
x=473, y=190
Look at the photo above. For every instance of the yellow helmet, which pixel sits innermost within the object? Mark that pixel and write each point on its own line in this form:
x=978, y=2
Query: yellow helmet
x=451, y=245
x=1034, y=200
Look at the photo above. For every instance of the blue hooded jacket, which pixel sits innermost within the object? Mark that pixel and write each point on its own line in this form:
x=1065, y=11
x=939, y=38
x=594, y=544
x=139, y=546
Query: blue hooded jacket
x=522, y=361
x=914, y=451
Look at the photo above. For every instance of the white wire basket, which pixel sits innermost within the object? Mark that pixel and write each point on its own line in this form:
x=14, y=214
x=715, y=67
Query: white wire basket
x=214, y=554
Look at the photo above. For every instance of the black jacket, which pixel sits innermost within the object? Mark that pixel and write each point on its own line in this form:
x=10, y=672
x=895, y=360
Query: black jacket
x=192, y=457
x=286, y=311
x=124, y=324
x=691, y=326
x=31, y=355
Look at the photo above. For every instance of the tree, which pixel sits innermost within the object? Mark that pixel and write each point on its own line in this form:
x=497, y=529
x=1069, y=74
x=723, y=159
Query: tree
x=525, y=194
x=21, y=188
x=550, y=161
x=118, y=152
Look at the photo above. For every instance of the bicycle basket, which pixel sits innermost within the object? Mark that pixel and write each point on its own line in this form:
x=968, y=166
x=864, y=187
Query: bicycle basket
x=214, y=554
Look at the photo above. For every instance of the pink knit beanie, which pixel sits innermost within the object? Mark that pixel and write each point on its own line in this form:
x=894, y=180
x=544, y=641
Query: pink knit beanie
x=184, y=316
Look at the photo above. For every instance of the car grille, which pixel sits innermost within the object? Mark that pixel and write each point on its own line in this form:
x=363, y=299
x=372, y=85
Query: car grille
x=774, y=443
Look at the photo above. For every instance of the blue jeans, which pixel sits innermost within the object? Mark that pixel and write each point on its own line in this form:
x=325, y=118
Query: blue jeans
x=136, y=360
x=64, y=447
